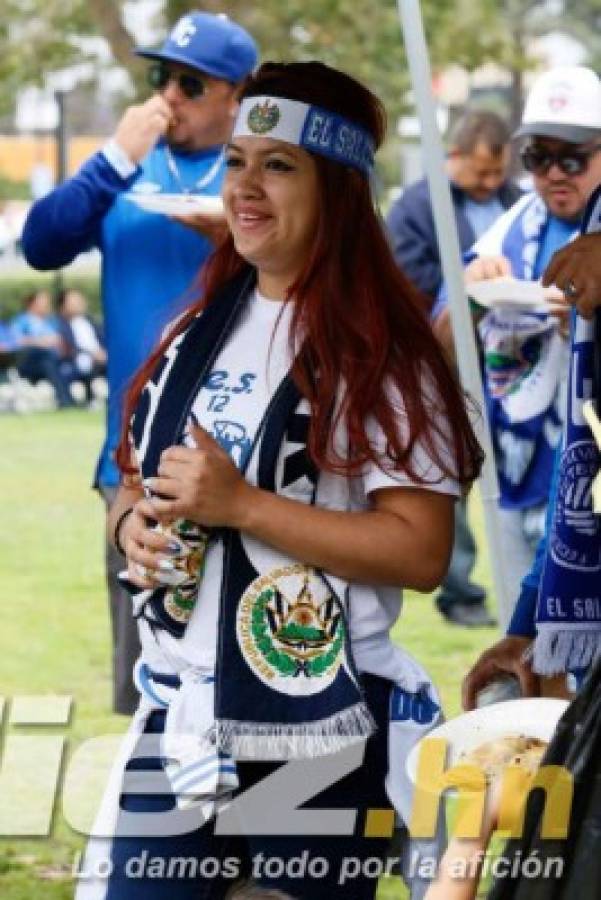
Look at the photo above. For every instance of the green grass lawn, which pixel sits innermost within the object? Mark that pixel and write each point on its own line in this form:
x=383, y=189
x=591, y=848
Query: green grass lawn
x=55, y=631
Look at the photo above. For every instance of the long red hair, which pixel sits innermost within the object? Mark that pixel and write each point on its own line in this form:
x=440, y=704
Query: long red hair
x=361, y=320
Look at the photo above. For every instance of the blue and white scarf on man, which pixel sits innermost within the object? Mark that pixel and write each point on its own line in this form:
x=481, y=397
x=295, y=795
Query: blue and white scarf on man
x=523, y=355
x=569, y=607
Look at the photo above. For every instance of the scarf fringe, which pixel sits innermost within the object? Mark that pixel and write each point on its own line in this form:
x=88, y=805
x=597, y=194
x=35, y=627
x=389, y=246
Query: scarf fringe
x=556, y=652
x=257, y=740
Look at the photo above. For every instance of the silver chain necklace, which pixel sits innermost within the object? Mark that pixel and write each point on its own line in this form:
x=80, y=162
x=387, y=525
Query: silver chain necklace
x=202, y=182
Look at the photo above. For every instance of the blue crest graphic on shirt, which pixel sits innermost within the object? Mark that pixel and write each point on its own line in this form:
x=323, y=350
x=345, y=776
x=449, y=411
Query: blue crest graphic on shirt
x=419, y=706
x=233, y=438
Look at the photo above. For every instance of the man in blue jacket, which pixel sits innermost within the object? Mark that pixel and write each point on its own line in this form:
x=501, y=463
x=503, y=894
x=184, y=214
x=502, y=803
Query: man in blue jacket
x=172, y=143
x=477, y=164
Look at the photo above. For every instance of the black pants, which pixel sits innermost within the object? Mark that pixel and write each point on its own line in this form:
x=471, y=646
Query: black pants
x=37, y=364
x=71, y=372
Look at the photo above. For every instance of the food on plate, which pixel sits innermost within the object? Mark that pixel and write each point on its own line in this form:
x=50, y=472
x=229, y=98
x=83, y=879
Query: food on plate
x=512, y=750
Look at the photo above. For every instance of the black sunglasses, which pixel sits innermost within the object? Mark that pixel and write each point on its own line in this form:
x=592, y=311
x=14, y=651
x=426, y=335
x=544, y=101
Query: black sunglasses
x=160, y=74
x=539, y=160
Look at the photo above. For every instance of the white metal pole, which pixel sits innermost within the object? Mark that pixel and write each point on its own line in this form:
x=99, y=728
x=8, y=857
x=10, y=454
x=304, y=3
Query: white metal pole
x=450, y=254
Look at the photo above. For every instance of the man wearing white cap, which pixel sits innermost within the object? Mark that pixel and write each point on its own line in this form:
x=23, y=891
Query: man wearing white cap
x=562, y=127
x=169, y=144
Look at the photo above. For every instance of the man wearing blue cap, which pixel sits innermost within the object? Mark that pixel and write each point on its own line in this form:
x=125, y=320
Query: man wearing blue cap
x=172, y=143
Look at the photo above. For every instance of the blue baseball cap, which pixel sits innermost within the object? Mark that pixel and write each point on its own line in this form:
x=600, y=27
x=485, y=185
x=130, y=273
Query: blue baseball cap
x=211, y=44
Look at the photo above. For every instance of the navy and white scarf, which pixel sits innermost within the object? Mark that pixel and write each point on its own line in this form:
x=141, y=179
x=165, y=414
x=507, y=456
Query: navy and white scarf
x=569, y=607
x=523, y=356
x=285, y=682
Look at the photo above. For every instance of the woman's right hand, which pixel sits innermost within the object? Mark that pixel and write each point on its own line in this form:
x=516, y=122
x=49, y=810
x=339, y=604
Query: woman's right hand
x=147, y=551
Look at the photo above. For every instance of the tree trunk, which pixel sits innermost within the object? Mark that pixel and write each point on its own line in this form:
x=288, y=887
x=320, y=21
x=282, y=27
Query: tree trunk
x=107, y=15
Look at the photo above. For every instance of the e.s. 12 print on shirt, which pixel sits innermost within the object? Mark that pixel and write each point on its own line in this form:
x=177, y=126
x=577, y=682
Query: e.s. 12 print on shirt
x=217, y=381
x=230, y=433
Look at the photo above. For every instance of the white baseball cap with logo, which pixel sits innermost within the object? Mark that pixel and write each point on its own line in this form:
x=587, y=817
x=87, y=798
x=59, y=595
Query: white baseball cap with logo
x=564, y=103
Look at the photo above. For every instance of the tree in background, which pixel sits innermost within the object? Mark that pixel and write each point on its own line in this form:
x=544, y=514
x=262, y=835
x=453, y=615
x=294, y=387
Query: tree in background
x=502, y=30
x=361, y=36
x=37, y=37
x=584, y=24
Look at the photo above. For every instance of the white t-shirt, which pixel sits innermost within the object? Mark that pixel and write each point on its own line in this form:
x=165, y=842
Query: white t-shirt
x=230, y=406
x=84, y=334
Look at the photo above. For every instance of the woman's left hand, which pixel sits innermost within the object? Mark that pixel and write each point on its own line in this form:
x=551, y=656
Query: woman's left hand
x=201, y=484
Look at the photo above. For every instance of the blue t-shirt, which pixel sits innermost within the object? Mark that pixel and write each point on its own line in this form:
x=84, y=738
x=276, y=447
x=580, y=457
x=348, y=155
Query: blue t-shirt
x=149, y=261
x=149, y=264
x=556, y=234
x=8, y=340
x=27, y=324
x=482, y=216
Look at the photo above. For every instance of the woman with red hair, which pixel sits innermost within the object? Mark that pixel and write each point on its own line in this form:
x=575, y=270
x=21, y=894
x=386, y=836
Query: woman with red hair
x=294, y=450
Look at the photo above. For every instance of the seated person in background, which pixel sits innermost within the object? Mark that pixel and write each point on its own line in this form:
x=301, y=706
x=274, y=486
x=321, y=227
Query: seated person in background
x=84, y=357
x=35, y=334
x=7, y=341
x=7, y=348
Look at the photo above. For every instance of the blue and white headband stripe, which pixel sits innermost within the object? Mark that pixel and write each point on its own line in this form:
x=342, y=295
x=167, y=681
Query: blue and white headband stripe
x=316, y=130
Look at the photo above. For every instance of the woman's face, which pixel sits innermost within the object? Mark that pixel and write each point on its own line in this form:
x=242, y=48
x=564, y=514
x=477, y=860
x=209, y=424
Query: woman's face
x=271, y=199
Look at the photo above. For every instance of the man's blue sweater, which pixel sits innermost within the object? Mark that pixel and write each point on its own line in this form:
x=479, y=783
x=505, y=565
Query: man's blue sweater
x=148, y=260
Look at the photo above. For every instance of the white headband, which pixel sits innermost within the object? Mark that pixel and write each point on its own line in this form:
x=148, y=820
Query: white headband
x=316, y=130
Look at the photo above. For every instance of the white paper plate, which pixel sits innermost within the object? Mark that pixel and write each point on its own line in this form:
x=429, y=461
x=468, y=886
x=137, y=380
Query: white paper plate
x=178, y=204
x=535, y=717
x=514, y=293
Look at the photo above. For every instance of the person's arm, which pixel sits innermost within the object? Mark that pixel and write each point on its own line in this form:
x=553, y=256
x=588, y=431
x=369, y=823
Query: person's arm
x=125, y=500
x=68, y=348
x=67, y=221
x=130, y=531
x=43, y=341
x=22, y=337
x=413, y=242
x=460, y=868
x=524, y=614
x=459, y=871
x=214, y=228
x=507, y=656
x=405, y=539
x=476, y=268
